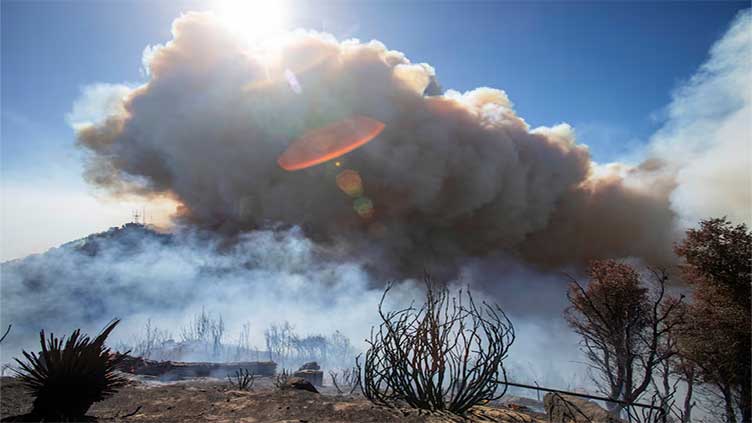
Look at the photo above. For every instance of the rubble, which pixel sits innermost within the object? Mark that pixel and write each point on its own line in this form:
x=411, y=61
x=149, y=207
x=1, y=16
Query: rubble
x=311, y=372
x=299, y=383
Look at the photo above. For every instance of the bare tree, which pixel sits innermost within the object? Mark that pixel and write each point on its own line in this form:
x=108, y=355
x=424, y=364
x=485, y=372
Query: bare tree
x=675, y=375
x=243, y=379
x=341, y=350
x=345, y=380
x=217, y=330
x=448, y=354
x=243, y=348
x=153, y=339
x=198, y=329
x=206, y=330
x=279, y=340
x=310, y=348
x=687, y=372
x=623, y=325
x=288, y=347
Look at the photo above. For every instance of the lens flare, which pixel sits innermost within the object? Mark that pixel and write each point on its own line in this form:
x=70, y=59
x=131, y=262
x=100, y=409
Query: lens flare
x=329, y=142
x=364, y=207
x=350, y=183
x=292, y=81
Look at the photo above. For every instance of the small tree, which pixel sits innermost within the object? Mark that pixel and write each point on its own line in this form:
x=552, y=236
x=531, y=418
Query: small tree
x=717, y=336
x=153, y=339
x=447, y=354
x=623, y=326
x=279, y=341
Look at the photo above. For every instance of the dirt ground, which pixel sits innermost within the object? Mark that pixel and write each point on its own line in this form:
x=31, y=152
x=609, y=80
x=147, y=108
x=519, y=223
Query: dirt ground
x=213, y=400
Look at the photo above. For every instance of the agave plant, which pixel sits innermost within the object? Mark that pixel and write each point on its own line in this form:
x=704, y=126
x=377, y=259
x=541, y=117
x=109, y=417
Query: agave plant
x=67, y=377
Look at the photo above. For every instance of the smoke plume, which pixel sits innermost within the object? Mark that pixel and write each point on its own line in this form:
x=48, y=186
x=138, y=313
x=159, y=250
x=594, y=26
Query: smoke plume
x=706, y=139
x=451, y=175
x=456, y=180
x=264, y=278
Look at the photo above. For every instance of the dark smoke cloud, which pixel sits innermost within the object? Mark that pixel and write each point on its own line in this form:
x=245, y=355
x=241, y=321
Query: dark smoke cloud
x=452, y=175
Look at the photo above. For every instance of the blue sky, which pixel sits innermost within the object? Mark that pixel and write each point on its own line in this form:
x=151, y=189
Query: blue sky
x=608, y=69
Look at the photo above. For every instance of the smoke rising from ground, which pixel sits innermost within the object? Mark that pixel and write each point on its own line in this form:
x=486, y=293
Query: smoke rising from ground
x=452, y=175
x=457, y=180
x=266, y=277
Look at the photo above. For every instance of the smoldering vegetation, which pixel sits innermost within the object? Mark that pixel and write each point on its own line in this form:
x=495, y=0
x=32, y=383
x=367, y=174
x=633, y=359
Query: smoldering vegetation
x=645, y=348
x=192, y=296
x=266, y=279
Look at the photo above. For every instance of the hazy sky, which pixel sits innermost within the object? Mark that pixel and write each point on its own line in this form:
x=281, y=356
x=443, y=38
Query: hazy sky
x=607, y=69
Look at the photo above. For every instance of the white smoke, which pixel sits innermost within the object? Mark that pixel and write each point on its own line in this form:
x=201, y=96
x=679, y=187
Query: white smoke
x=263, y=278
x=706, y=141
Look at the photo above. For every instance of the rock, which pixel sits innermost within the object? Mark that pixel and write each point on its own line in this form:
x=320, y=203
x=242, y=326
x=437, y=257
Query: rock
x=299, y=383
x=569, y=409
x=311, y=365
x=316, y=377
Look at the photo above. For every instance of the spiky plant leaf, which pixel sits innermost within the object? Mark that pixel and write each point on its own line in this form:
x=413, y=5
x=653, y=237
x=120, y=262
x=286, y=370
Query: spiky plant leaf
x=68, y=376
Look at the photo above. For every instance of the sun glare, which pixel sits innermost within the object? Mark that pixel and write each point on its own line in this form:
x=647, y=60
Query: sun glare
x=253, y=19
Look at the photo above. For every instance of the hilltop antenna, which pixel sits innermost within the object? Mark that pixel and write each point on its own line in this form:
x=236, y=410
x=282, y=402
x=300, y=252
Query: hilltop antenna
x=135, y=216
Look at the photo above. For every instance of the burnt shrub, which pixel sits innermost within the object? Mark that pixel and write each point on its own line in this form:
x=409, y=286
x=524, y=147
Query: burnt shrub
x=242, y=380
x=447, y=354
x=68, y=376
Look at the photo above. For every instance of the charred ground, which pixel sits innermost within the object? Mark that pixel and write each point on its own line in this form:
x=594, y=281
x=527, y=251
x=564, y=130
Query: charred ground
x=215, y=400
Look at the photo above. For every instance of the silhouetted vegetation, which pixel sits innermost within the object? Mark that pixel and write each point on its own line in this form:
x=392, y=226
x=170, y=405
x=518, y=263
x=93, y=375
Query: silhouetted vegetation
x=242, y=379
x=717, y=337
x=207, y=330
x=287, y=347
x=7, y=331
x=68, y=376
x=281, y=379
x=153, y=339
x=624, y=327
x=448, y=354
x=345, y=380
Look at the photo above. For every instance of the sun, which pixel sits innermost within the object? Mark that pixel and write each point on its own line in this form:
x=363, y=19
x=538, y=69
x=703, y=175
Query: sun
x=253, y=19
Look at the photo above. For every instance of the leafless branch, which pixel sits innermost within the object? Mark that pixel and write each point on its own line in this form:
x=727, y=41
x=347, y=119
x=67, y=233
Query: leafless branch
x=444, y=355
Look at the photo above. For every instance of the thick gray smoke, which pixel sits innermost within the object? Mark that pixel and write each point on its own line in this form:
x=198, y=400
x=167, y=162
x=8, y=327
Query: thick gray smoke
x=264, y=278
x=457, y=180
x=452, y=175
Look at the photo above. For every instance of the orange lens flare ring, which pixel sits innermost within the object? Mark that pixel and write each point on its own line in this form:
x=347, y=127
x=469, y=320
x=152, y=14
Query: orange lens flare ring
x=329, y=142
x=350, y=183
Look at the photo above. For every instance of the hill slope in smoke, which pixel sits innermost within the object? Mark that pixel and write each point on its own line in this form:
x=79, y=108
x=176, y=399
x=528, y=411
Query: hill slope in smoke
x=128, y=237
x=136, y=273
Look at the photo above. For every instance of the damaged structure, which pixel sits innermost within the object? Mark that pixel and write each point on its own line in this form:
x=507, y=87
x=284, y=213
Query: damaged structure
x=176, y=370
